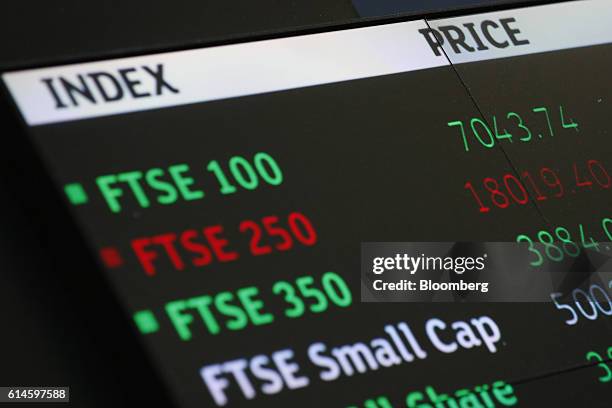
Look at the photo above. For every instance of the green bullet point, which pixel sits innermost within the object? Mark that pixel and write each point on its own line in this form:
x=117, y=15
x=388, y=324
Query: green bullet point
x=76, y=194
x=146, y=322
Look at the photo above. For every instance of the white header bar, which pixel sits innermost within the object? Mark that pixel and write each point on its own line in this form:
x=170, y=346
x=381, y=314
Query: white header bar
x=218, y=72
x=124, y=85
x=547, y=28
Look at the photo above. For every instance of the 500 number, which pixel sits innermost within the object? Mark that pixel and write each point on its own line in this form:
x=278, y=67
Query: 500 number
x=597, y=300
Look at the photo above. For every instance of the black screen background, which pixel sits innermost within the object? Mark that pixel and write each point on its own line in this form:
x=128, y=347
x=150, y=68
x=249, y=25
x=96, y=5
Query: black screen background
x=366, y=160
x=317, y=134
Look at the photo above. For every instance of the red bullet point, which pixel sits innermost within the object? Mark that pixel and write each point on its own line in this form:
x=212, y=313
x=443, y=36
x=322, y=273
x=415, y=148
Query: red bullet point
x=111, y=257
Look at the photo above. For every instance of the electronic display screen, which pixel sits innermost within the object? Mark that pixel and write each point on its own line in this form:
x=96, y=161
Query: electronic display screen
x=227, y=191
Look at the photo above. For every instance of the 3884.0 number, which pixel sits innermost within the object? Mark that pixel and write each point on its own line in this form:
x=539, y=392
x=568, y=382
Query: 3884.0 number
x=559, y=244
